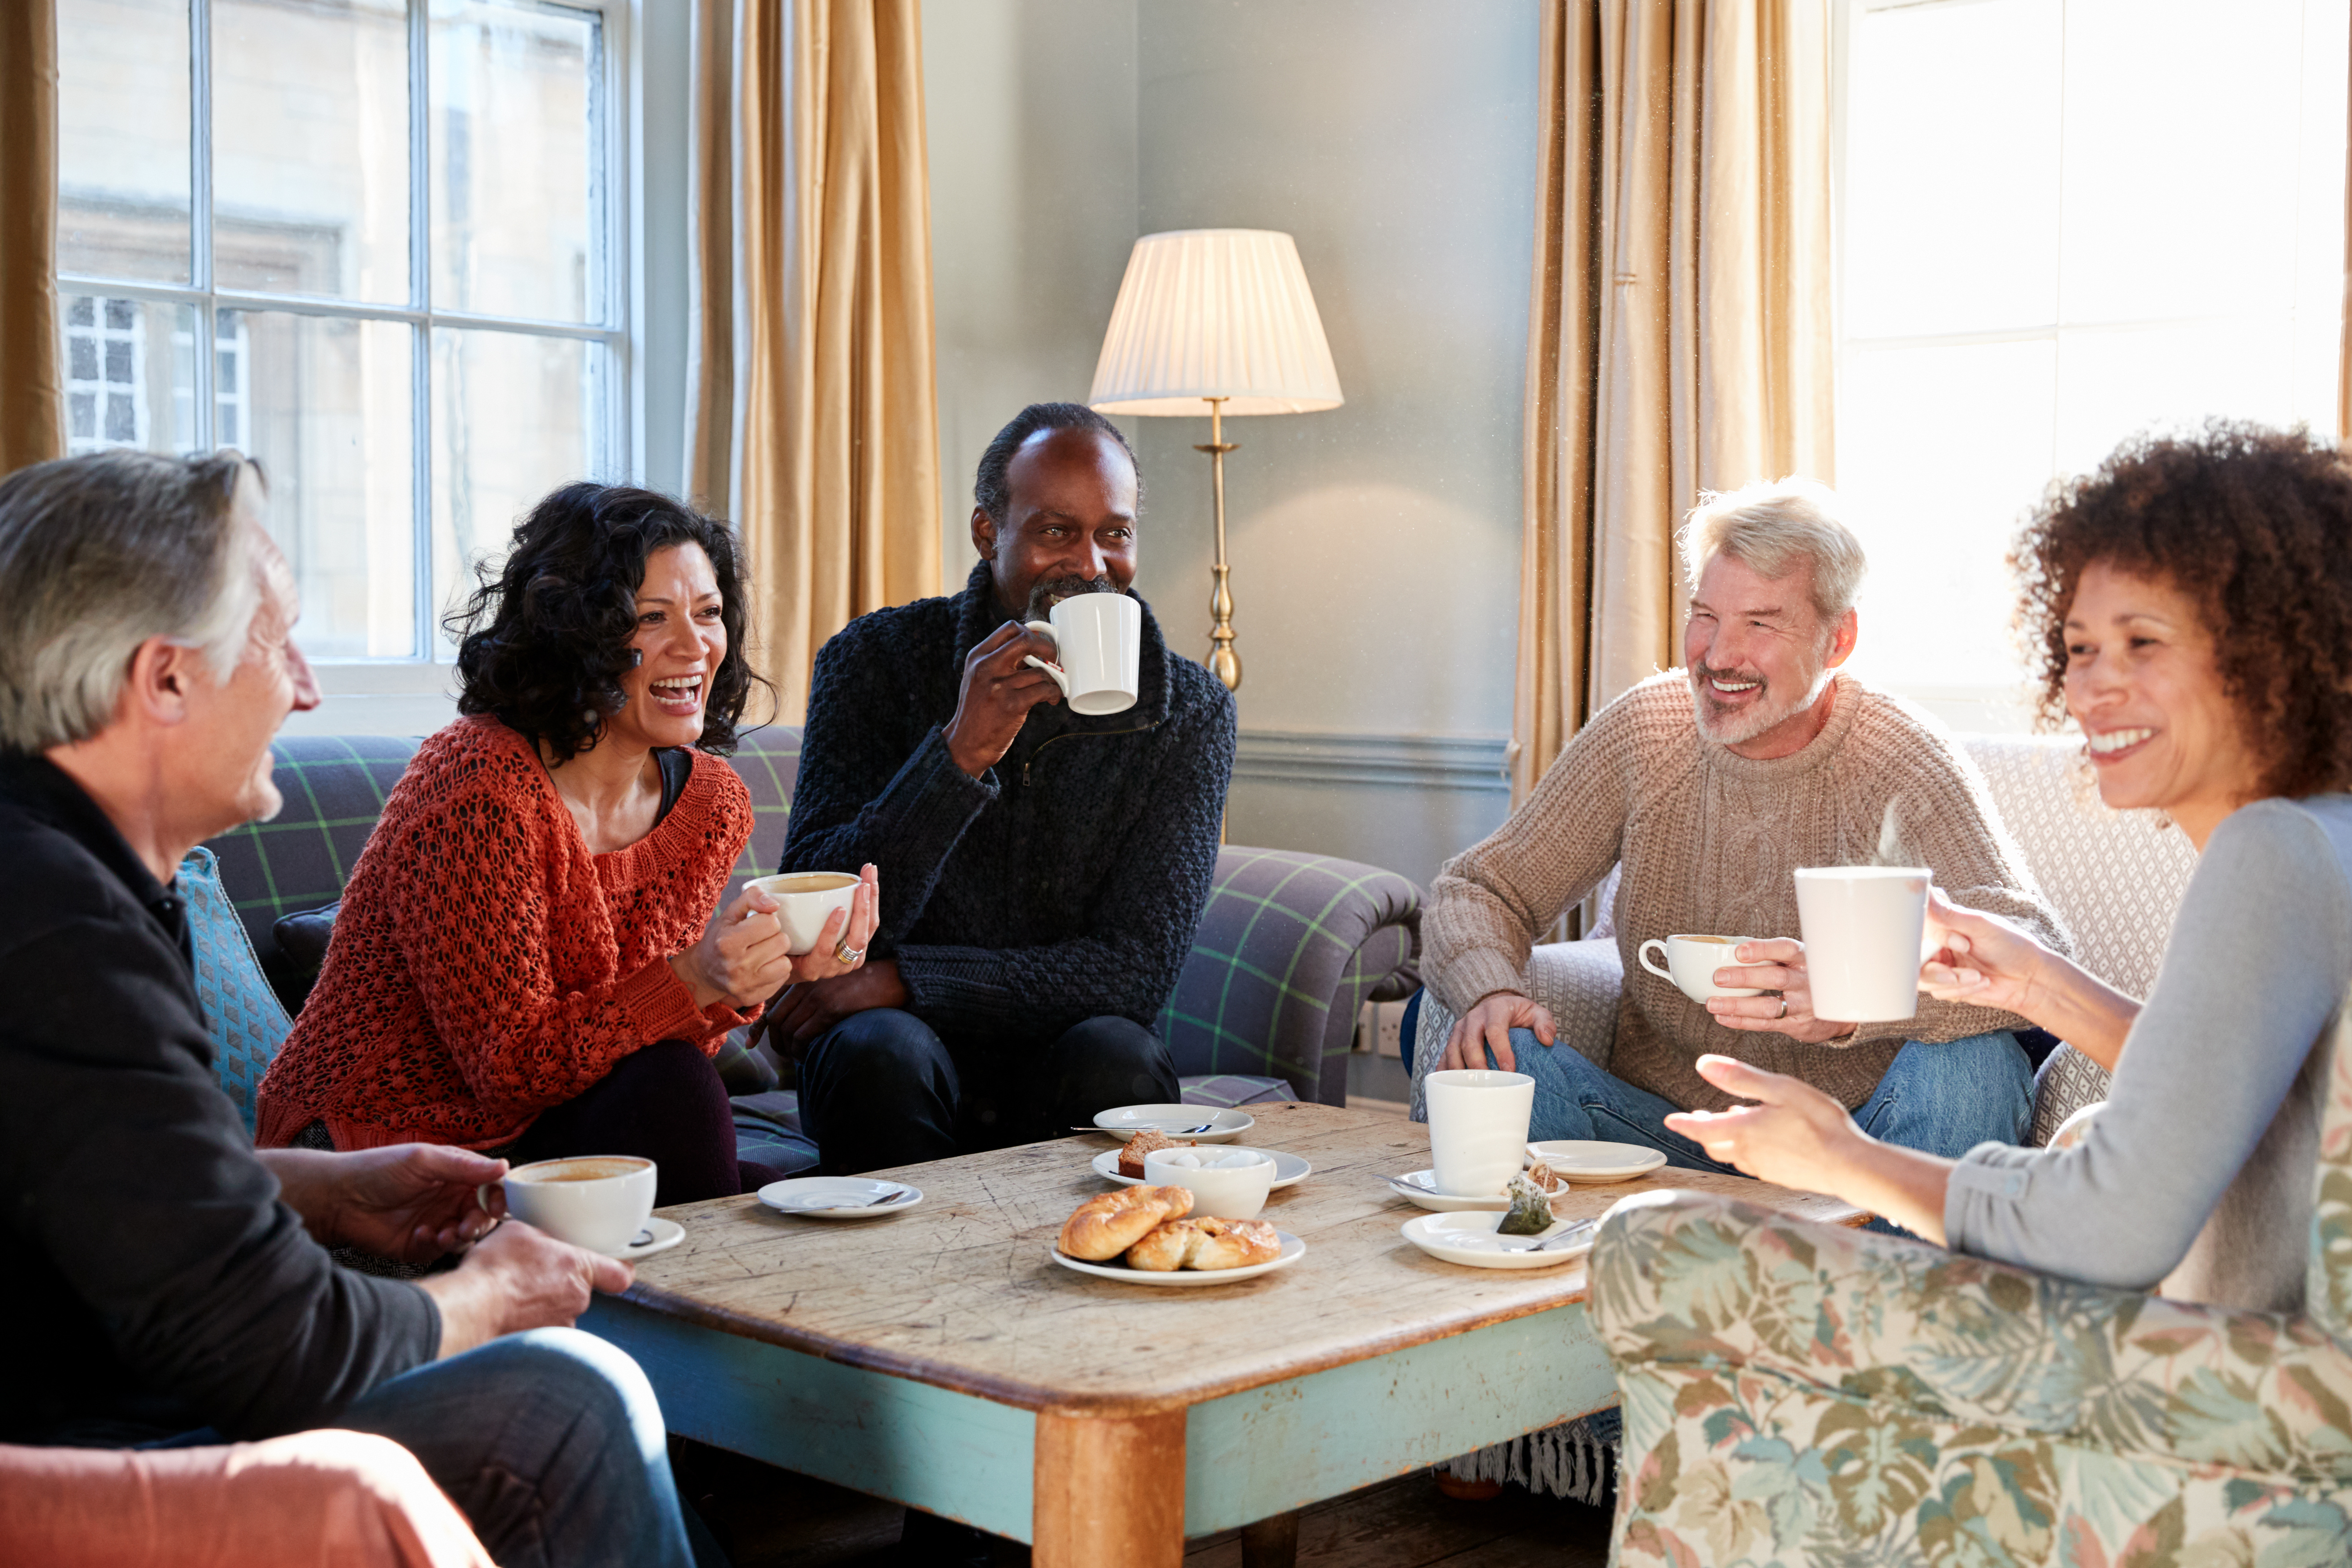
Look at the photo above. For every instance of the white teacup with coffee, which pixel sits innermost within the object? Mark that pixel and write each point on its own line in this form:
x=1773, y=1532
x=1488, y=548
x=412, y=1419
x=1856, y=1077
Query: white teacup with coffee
x=596, y=1201
x=1098, y=642
x=806, y=900
x=1691, y=964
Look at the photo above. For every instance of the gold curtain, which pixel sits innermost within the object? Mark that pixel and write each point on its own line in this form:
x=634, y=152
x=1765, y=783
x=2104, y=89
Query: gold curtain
x=32, y=384
x=1679, y=335
x=813, y=389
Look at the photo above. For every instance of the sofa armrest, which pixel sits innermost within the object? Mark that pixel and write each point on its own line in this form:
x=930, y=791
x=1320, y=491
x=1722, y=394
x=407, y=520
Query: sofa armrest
x=1708, y=1294
x=1289, y=948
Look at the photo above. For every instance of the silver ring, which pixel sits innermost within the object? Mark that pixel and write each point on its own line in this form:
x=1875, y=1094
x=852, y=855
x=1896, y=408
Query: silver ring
x=846, y=954
x=1784, y=1009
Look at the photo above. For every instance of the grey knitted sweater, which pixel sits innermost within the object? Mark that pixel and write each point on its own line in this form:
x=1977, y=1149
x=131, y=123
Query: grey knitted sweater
x=1063, y=885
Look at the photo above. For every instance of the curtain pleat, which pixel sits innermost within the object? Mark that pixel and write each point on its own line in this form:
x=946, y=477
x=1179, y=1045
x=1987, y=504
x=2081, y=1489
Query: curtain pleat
x=32, y=383
x=1679, y=332
x=831, y=439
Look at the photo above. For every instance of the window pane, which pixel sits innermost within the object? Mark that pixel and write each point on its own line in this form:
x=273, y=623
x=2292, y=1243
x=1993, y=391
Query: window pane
x=122, y=139
x=324, y=405
x=512, y=418
x=1951, y=124
x=311, y=147
x=1940, y=451
x=130, y=374
x=515, y=118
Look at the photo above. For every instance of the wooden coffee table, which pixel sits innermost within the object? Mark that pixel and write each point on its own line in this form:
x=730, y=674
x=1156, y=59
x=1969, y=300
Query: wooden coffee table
x=941, y=1359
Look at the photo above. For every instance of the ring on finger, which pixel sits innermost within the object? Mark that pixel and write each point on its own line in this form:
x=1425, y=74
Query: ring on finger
x=1784, y=1013
x=846, y=954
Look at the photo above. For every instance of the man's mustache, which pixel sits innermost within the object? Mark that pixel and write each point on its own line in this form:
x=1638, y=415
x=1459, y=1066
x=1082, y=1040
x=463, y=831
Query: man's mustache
x=1048, y=591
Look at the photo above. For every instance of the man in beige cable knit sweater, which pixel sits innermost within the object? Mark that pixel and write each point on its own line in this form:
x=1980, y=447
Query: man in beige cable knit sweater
x=1710, y=785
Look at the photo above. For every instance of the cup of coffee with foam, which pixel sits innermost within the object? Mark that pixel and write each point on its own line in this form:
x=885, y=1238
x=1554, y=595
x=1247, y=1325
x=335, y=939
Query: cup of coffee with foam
x=596, y=1201
x=1691, y=964
x=808, y=899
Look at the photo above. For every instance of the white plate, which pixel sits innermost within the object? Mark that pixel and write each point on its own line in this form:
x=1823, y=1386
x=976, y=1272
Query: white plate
x=1293, y=1250
x=1470, y=1239
x=1287, y=1169
x=658, y=1236
x=838, y=1198
x=1580, y=1159
x=1424, y=1194
x=1123, y=1122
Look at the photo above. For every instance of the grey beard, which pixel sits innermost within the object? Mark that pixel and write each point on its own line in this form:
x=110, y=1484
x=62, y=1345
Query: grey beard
x=1048, y=591
x=1767, y=714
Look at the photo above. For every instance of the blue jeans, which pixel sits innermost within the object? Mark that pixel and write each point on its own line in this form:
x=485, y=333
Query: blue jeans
x=1938, y=1099
x=550, y=1443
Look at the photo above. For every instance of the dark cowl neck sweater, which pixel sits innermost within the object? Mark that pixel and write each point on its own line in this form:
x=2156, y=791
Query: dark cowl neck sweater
x=1063, y=884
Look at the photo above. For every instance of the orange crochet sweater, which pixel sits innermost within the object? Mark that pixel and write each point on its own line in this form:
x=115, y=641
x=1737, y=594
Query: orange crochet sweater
x=485, y=965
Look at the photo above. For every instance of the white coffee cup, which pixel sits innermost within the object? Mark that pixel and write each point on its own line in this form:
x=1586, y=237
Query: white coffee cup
x=807, y=900
x=1862, y=927
x=596, y=1201
x=1225, y=1183
x=1478, y=1129
x=1100, y=643
x=1691, y=964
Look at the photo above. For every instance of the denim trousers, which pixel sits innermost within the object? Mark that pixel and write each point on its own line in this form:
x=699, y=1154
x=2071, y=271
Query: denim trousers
x=550, y=1443
x=1940, y=1099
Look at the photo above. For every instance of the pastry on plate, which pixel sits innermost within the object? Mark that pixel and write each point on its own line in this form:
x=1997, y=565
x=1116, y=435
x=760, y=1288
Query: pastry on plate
x=1131, y=1155
x=1107, y=1225
x=1205, y=1243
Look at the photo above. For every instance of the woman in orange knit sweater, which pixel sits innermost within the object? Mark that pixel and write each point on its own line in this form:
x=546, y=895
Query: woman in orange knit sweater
x=527, y=961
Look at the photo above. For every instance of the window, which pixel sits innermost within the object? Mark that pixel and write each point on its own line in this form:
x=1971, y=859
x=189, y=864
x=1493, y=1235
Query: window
x=2062, y=222
x=391, y=224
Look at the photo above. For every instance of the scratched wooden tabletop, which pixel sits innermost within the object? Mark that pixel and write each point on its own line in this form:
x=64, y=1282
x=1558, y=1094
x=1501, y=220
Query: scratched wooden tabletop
x=959, y=1292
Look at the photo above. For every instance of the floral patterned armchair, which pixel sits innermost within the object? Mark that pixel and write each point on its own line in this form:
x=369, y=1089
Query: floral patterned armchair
x=1802, y=1394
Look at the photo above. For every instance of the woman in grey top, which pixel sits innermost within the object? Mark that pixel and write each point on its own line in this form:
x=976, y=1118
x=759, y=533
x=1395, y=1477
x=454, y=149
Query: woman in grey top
x=2191, y=608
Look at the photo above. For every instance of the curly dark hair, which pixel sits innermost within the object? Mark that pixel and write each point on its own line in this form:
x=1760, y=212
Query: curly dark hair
x=2253, y=524
x=544, y=642
x=992, y=492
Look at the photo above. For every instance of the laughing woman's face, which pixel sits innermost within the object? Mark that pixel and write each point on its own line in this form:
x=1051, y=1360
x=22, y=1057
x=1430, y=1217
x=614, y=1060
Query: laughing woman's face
x=680, y=642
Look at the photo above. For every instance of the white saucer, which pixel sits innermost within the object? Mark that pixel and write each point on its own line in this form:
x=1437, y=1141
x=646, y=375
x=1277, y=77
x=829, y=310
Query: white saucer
x=1424, y=1194
x=1288, y=1169
x=1580, y=1159
x=1293, y=1250
x=838, y=1198
x=1470, y=1239
x=1123, y=1122
x=658, y=1236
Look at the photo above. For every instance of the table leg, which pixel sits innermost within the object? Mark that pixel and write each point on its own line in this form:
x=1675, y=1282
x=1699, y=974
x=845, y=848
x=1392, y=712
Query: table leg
x=1271, y=1543
x=1109, y=1490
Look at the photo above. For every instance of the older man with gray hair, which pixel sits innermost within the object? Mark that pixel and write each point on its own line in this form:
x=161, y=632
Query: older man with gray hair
x=1708, y=786
x=169, y=1283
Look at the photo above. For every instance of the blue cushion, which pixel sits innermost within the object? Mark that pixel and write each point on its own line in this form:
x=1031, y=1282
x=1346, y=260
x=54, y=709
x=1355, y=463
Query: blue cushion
x=247, y=1021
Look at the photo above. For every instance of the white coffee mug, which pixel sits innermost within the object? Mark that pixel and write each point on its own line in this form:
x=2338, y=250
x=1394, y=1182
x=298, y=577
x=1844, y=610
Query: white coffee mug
x=1862, y=927
x=806, y=900
x=1226, y=1183
x=1691, y=964
x=596, y=1201
x=1477, y=1129
x=1098, y=639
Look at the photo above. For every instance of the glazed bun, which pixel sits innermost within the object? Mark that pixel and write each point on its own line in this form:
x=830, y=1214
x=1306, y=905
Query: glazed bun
x=1105, y=1225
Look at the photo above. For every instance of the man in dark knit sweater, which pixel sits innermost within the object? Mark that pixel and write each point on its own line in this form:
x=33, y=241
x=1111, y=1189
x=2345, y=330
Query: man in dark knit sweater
x=1041, y=872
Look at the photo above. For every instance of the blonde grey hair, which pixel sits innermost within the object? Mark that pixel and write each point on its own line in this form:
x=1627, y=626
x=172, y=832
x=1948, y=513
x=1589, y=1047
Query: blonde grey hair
x=1773, y=526
x=98, y=554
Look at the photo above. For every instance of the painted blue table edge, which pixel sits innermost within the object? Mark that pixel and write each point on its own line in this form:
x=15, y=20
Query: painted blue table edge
x=1248, y=1456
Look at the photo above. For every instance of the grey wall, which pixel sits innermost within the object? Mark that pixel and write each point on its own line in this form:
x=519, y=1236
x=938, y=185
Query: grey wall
x=1375, y=548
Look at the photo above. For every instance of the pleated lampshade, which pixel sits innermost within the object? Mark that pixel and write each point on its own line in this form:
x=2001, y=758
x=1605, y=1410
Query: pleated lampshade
x=1222, y=313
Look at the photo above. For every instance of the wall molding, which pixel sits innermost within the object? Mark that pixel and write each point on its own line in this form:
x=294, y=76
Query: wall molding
x=1472, y=763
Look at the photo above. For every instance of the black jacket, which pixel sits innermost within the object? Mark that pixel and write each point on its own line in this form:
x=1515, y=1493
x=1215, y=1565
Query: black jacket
x=1066, y=882
x=155, y=1283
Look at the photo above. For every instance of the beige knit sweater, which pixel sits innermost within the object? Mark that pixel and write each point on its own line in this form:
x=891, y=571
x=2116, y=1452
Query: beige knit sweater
x=1709, y=840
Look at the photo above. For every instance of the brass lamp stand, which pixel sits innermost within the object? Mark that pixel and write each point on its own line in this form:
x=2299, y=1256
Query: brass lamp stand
x=1224, y=662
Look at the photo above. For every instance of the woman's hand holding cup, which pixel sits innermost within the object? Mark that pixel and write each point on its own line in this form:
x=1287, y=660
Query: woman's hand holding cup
x=1775, y=965
x=744, y=956
x=1978, y=959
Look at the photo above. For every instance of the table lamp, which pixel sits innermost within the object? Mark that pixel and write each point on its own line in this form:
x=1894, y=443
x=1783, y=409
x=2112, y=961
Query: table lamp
x=1221, y=317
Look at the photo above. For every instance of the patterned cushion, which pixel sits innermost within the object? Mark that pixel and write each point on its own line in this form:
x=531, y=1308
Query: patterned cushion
x=1232, y=1089
x=246, y=1023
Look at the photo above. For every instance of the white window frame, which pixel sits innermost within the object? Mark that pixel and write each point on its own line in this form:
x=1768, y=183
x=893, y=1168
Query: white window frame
x=419, y=684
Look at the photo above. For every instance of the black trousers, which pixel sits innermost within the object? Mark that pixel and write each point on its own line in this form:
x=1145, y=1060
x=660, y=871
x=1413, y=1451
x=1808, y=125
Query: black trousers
x=663, y=1104
x=881, y=1089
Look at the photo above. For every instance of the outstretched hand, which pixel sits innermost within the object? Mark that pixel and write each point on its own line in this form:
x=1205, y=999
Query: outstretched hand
x=1794, y=1135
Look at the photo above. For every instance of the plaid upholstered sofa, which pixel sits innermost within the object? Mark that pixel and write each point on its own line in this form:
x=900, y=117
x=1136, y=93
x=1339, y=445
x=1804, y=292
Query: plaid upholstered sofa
x=1288, y=950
